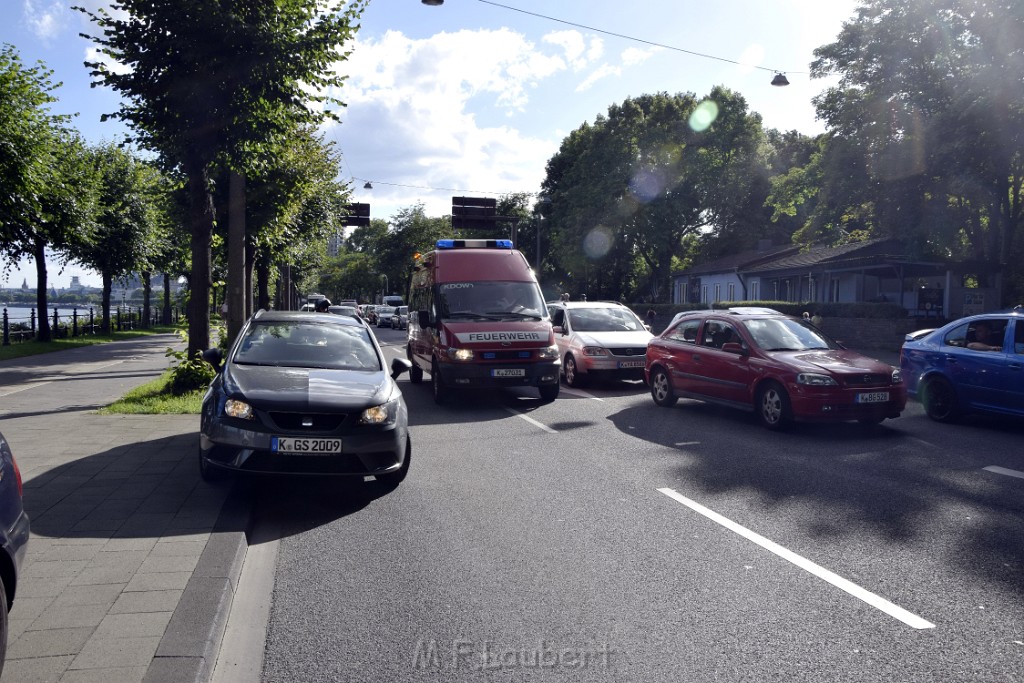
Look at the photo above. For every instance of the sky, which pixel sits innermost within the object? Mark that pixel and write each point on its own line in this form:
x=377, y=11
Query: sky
x=473, y=97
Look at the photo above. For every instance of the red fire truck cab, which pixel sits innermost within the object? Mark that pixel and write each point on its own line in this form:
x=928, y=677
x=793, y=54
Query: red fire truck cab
x=477, y=319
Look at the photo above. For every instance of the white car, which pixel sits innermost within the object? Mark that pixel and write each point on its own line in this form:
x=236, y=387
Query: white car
x=599, y=339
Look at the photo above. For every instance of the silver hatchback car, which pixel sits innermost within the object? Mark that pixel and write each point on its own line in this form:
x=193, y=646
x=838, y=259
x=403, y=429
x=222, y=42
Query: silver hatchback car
x=599, y=339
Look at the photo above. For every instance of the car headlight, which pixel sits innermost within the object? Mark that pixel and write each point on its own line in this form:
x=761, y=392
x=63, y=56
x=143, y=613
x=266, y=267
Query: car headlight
x=594, y=351
x=460, y=354
x=384, y=414
x=240, y=409
x=549, y=353
x=897, y=376
x=815, y=380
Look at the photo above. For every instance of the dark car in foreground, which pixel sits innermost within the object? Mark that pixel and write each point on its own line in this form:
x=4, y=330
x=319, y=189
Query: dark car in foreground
x=302, y=393
x=14, y=533
x=778, y=366
x=974, y=364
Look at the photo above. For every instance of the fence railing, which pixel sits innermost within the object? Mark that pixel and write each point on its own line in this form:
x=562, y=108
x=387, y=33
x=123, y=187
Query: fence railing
x=80, y=321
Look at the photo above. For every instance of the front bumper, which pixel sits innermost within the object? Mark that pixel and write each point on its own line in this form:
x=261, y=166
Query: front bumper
x=812, y=404
x=478, y=375
x=230, y=447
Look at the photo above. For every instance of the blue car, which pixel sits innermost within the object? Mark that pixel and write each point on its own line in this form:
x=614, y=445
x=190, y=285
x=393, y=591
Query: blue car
x=13, y=536
x=975, y=364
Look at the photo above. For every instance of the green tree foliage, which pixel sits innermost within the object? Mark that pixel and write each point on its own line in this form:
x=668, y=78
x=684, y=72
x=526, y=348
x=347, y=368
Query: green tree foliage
x=627, y=191
x=208, y=81
x=125, y=222
x=411, y=232
x=926, y=128
x=47, y=199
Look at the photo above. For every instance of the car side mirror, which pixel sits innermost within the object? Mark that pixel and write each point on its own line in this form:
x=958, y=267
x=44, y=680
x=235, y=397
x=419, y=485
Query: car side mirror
x=423, y=319
x=733, y=347
x=398, y=366
x=214, y=357
x=558, y=329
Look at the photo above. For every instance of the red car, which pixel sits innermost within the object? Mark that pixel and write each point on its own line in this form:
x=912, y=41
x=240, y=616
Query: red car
x=781, y=367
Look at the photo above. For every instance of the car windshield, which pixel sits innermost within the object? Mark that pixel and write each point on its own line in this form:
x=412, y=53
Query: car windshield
x=491, y=300
x=784, y=334
x=308, y=345
x=604, y=320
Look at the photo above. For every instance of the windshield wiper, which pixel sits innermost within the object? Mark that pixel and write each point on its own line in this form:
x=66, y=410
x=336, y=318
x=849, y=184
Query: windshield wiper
x=514, y=314
x=471, y=314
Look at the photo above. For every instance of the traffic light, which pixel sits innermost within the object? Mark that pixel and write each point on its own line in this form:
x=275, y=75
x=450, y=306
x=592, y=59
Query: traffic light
x=474, y=213
x=358, y=214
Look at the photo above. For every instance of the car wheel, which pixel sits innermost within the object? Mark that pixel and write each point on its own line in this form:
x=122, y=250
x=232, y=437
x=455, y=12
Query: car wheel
x=415, y=373
x=572, y=375
x=3, y=624
x=437, y=384
x=548, y=392
x=208, y=472
x=939, y=399
x=393, y=479
x=661, y=388
x=772, y=406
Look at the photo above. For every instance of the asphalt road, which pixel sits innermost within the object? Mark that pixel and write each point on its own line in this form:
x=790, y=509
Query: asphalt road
x=601, y=538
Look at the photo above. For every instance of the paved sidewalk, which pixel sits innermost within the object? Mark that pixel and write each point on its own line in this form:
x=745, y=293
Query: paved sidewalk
x=133, y=560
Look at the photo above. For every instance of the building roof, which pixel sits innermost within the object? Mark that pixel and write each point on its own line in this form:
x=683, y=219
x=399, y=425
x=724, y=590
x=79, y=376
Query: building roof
x=740, y=261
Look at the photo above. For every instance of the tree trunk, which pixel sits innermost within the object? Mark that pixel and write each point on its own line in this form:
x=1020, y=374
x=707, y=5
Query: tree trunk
x=39, y=248
x=235, y=295
x=166, y=317
x=108, y=284
x=263, y=280
x=147, y=292
x=201, y=218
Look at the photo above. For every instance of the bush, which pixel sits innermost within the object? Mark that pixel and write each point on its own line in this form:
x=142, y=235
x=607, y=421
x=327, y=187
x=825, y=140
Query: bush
x=189, y=374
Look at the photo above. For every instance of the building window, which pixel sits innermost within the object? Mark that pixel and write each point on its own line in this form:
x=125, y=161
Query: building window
x=732, y=292
x=704, y=294
x=755, y=290
x=718, y=293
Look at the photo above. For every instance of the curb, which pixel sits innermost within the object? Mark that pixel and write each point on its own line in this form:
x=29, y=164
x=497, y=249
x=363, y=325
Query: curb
x=189, y=647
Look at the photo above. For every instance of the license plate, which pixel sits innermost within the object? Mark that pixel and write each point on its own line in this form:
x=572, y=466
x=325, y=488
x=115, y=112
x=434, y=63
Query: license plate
x=873, y=397
x=631, y=363
x=305, y=446
x=508, y=372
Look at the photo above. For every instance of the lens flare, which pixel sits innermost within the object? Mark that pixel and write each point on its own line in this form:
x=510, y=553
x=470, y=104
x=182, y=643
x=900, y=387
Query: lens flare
x=703, y=116
x=598, y=242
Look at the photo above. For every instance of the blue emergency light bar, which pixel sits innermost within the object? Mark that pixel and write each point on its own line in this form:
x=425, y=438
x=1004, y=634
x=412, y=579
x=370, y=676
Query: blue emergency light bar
x=474, y=244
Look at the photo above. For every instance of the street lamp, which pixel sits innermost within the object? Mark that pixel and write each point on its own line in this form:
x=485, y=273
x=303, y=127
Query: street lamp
x=384, y=291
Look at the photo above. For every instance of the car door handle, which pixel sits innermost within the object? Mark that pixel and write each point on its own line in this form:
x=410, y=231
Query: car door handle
x=1014, y=366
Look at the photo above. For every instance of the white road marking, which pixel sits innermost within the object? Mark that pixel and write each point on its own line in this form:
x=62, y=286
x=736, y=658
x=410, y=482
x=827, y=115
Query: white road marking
x=582, y=394
x=839, y=582
x=1003, y=470
x=531, y=421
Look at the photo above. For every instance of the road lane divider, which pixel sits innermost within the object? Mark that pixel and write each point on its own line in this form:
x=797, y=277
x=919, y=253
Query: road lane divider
x=1003, y=470
x=839, y=582
x=531, y=420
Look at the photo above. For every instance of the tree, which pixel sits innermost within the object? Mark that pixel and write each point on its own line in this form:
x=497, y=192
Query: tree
x=124, y=220
x=47, y=199
x=629, y=190
x=926, y=127
x=219, y=81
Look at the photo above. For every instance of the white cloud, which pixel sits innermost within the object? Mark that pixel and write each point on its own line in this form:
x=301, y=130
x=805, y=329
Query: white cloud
x=93, y=54
x=633, y=56
x=411, y=124
x=46, y=22
x=603, y=71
